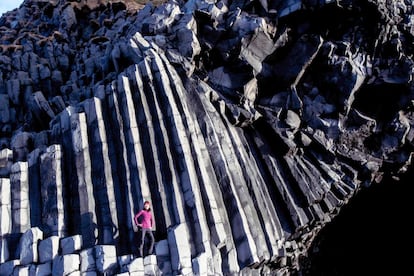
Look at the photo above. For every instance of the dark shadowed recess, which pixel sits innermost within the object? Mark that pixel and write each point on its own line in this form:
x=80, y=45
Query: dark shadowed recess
x=382, y=101
x=370, y=236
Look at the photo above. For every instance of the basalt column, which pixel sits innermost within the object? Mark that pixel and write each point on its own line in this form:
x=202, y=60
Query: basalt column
x=5, y=218
x=85, y=189
x=107, y=195
x=53, y=193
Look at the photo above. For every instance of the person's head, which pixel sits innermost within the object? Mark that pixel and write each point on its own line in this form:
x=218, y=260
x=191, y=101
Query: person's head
x=147, y=205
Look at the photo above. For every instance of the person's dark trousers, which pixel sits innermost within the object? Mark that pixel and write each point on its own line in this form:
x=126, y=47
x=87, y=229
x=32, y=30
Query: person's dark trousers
x=151, y=235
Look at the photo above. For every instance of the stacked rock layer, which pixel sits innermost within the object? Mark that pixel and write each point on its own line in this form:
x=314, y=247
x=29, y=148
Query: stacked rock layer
x=248, y=127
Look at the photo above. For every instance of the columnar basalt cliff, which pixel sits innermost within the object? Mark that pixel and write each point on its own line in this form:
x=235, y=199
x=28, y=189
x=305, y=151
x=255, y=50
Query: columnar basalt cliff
x=247, y=124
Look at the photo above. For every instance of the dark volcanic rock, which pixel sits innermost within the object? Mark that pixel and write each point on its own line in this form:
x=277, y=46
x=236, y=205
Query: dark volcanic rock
x=247, y=124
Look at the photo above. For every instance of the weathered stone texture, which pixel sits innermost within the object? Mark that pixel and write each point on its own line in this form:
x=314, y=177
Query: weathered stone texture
x=65, y=264
x=71, y=244
x=54, y=211
x=247, y=124
x=5, y=207
x=20, y=208
x=48, y=249
x=28, y=247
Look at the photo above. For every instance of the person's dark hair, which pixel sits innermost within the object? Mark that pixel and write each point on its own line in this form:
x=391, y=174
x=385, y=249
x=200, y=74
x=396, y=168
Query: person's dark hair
x=149, y=203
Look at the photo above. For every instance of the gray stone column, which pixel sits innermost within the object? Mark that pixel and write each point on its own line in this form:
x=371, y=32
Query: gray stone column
x=28, y=246
x=180, y=249
x=156, y=150
x=103, y=182
x=5, y=218
x=6, y=161
x=34, y=188
x=179, y=117
x=88, y=220
x=122, y=170
x=20, y=197
x=52, y=192
x=133, y=157
x=5, y=207
x=4, y=251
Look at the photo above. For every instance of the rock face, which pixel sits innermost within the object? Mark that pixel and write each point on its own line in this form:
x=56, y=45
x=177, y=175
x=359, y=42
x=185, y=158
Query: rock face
x=247, y=124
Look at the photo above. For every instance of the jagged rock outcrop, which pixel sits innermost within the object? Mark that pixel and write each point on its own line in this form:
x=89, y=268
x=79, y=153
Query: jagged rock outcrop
x=248, y=124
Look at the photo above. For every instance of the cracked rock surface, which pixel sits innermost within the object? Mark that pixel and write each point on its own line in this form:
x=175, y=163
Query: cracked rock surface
x=247, y=124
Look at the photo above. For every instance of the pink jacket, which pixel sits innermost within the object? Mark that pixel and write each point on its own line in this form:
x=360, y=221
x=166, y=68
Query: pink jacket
x=146, y=220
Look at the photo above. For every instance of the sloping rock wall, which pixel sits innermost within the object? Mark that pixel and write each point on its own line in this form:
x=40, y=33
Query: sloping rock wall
x=247, y=125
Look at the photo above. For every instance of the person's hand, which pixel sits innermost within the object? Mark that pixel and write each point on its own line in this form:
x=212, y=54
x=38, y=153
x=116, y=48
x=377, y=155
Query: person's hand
x=139, y=224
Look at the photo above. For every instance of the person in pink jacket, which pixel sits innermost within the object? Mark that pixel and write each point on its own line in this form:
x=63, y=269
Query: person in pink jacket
x=144, y=220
